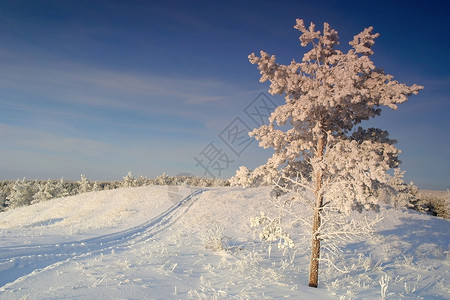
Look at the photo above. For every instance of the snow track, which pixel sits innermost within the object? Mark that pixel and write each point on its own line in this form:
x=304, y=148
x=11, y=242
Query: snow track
x=20, y=262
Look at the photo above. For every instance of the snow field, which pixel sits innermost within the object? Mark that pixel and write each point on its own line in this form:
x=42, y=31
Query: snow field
x=83, y=215
x=139, y=243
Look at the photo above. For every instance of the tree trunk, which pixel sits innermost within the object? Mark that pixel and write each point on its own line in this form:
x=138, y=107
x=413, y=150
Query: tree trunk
x=315, y=244
x=315, y=248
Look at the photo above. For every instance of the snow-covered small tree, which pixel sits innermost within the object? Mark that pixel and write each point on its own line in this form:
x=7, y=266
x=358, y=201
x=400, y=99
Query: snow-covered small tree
x=163, y=179
x=84, y=185
x=44, y=192
x=129, y=180
x=96, y=187
x=40, y=195
x=61, y=189
x=141, y=181
x=2, y=200
x=21, y=194
x=317, y=146
x=243, y=178
x=398, y=192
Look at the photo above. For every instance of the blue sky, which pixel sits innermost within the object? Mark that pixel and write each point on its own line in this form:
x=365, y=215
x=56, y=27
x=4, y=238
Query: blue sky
x=106, y=87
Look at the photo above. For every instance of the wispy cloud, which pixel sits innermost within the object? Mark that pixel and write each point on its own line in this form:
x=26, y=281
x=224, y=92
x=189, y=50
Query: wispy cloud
x=81, y=92
x=21, y=138
x=98, y=87
x=437, y=83
x=61, y=95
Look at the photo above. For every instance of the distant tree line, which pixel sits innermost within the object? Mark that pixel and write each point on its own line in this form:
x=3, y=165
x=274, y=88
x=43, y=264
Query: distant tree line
x=22, y=192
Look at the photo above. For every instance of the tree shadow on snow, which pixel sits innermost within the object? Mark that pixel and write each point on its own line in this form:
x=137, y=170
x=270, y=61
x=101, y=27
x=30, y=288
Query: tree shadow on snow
x=415, y=235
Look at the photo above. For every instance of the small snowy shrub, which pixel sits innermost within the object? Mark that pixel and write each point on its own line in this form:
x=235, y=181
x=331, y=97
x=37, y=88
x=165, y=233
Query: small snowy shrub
x=242, y=178
x=272, y=230
x=434, y=203
x=214, y=239
x=130, y=181
x=397, y=192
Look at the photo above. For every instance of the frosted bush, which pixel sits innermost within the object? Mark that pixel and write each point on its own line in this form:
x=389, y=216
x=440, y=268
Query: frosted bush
x=214, y=239
x=272, y=230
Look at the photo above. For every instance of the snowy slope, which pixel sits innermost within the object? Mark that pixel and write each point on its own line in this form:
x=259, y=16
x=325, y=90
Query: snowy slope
x=183, y=243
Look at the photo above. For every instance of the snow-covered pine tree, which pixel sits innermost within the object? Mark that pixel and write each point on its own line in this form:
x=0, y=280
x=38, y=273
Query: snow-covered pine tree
x=399, y=193
x=96, y=187
x=141, y=181
x=44, y=192
x=2, y=199
x=163, y=179
x=21, y=194
x=84, y=185
x=242, y=178
x=129, y=180
x=39, y=196
x=316, y=145
x=61, y=189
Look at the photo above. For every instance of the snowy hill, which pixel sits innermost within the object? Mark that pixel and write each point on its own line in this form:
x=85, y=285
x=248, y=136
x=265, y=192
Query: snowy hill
x=186, y=243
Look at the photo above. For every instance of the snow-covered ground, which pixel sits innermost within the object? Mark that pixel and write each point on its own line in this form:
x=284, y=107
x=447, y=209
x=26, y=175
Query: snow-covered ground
x=188, y=243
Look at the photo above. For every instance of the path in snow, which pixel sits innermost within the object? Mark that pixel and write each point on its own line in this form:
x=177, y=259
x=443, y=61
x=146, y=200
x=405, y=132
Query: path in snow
x=20, y=262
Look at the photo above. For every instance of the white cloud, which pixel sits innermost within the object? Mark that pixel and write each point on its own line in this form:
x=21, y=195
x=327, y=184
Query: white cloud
x=97, y=87
x=39, y=141
x=68, y=89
